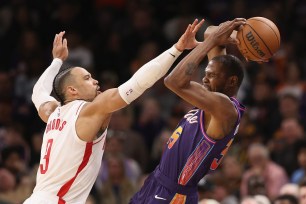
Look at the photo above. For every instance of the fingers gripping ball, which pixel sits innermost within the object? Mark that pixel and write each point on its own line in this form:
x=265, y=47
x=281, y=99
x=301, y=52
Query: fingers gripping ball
x=259, y=39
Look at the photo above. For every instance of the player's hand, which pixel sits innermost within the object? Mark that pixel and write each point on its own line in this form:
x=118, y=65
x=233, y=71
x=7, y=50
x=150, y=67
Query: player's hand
x=60, y=49
x=188, y=40
x=222, y=33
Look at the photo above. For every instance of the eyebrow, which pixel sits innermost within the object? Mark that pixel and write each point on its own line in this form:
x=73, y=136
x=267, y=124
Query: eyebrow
x=87, y=75
x=212, y=72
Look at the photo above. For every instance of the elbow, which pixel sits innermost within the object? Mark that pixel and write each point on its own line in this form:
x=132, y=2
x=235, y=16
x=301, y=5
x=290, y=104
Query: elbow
x=169, y=82
x=166, y=81
x=174, y=83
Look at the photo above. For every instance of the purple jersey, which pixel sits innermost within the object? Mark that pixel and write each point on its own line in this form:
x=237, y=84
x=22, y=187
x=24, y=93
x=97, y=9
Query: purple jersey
x=190, y=154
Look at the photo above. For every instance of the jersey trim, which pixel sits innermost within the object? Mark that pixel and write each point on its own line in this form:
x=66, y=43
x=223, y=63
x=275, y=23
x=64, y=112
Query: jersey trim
x=100, y=138
x=238, y=112
x=202, y=122
x=79, y=108
x=194, y=161
x=179, y=199
x=76, y=136
x=65, y=188
x=239, y=106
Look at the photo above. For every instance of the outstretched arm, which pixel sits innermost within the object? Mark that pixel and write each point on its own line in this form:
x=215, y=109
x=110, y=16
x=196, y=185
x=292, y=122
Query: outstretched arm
x=151, y=72
x=114, y=99
x=117, y=98
x=44, y=103
x=179, y=80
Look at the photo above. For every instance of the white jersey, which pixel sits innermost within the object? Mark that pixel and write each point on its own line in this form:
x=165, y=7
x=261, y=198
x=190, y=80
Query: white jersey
x=68, y=166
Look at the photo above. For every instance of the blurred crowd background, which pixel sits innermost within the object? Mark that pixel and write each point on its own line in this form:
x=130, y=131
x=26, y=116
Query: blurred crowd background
x=112, y=39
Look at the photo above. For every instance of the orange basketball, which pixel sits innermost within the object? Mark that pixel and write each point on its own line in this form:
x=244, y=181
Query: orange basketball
x=259, y=39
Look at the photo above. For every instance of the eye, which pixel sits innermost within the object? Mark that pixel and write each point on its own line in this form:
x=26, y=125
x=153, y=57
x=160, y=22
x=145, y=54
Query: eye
x=213, y=75
x=210, y=75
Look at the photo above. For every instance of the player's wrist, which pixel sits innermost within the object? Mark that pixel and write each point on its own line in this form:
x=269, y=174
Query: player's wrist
x=57, y=60
x=178, y=48
x=209, y=30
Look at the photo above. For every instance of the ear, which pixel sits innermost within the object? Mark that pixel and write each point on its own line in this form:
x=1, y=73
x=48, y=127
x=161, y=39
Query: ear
x=233, y=81
x=71, y=90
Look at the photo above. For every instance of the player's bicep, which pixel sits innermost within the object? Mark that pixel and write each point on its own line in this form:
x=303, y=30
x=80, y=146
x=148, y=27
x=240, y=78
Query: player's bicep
x=46, y=109
x=105, y=103
x=215, y=103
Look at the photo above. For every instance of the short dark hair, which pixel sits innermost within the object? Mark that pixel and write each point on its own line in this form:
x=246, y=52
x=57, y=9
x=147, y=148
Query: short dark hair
x=58, y=84
x=232, y=66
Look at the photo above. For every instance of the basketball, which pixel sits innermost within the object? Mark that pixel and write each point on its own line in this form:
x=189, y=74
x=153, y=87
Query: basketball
x=259, y=39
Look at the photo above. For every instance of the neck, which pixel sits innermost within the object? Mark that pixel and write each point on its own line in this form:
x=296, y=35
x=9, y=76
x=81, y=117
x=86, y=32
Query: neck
x=231, y=93
x=70, y=100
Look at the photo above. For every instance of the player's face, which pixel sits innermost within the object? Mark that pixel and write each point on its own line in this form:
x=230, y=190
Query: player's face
x=87, y=88
x=215, y=78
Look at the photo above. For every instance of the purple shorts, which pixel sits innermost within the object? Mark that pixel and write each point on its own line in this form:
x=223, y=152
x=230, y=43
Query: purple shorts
x=159, y=189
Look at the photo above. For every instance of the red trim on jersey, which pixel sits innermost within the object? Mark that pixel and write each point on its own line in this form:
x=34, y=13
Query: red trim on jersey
x=61, y=201
x=99, y=140
x=65, y=188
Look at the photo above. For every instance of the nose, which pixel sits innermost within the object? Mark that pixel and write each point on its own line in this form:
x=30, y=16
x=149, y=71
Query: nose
x=95, y=82
x=205, y=80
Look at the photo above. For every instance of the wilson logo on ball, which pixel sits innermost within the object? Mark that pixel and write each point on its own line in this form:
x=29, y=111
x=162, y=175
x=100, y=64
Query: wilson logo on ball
x=254, y=43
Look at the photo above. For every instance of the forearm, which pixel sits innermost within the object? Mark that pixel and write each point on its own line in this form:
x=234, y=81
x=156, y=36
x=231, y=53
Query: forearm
x=182, y=73
x=217, y=50
x=148, y=74
x=43, y=87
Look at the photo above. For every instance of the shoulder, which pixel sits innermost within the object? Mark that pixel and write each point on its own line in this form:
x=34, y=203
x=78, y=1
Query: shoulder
x=225, y=107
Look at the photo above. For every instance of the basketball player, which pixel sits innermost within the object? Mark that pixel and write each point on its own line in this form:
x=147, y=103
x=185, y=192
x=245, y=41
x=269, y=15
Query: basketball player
x=74, y=137
x=205, y=133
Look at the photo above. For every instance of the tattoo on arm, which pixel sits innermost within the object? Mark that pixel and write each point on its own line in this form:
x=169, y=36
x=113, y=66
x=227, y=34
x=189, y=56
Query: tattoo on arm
x=190, y=69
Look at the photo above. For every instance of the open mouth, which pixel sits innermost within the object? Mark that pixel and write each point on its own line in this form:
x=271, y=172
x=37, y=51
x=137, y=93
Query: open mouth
x=98, y=90
x=206, y=86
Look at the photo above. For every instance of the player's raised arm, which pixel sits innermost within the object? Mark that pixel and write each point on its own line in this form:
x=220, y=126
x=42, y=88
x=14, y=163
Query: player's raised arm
x=114, y=99
x=204, y=96
x=44, y=103
x=219, y=50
